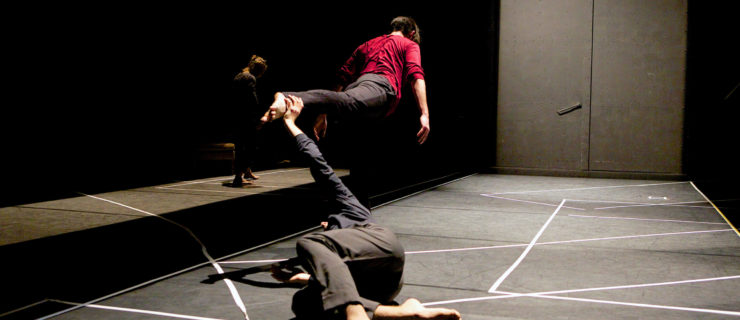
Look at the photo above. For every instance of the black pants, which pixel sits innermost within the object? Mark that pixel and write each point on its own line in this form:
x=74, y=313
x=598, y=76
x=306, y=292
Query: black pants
x=371, y=95
x=354, y=261
x=245, y=143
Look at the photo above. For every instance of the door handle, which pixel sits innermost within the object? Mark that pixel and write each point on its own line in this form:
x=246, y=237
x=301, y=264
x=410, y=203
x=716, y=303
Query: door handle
x=568, y=109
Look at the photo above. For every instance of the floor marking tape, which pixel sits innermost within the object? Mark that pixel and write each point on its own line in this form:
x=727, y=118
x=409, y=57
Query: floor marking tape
x=634, y=286
x=191, y=268
x=149, y=312
x=225, y=177
x=644, y=219
x=421, y=191
x=253, y=261
x=641, y=305
x=194, y=182
x=467, y=249
x=590, y=188
x=550, y=295
x=526, y=201
x=225, y=191
x=715, y=208
x=568, y=241
x=673, y=204
x=24, y=307
x=526, y=251
x=229, y=283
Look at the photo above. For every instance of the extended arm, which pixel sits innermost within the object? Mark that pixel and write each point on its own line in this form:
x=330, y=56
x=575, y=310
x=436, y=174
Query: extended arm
x=320, y=169
x=345, y=209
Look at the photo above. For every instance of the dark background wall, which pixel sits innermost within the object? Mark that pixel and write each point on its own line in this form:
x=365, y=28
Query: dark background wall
x=116, y=95
x=713, y=103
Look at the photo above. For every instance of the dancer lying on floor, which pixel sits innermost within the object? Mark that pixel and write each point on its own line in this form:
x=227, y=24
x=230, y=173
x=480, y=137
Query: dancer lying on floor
x=355, y=266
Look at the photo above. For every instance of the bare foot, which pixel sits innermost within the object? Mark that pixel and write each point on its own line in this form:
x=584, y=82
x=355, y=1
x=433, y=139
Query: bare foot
x=412, y=309
x=277, y=109
x=239, y=181
x=300, y=278
x=292, y=276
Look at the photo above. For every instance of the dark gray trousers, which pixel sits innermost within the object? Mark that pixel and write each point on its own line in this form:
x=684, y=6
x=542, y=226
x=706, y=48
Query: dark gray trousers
x=354, y=261
x=370, y=94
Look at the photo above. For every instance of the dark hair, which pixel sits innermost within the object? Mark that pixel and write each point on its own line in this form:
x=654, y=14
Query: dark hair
x=406, y=25
x=257, y=65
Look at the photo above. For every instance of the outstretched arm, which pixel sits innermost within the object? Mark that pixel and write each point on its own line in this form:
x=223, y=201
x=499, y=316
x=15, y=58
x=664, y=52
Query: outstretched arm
x=345, y=209
x=320, y=169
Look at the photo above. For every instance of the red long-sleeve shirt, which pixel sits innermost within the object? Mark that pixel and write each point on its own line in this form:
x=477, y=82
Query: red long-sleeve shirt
x=395, y=57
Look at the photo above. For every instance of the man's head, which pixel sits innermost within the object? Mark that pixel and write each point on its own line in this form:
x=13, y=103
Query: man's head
x=257, y=66
x=408, y=27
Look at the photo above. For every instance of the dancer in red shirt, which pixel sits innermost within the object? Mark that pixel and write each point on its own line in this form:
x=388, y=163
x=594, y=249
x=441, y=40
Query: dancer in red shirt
x=372, y=80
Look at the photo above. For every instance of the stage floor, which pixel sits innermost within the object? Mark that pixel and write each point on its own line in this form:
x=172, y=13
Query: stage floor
x=491, y=246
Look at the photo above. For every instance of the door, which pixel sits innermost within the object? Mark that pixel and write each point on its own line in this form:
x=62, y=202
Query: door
x=544, y=67
x=591, y=85
x=637, y=105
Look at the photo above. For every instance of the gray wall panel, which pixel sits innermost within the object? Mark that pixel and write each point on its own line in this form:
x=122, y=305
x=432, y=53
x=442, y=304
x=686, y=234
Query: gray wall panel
x=638, y=85
x=544, y=66
x=632, y=94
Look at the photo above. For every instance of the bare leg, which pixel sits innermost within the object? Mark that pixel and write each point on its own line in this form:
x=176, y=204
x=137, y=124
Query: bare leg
x=249, y=174
x=412, y=309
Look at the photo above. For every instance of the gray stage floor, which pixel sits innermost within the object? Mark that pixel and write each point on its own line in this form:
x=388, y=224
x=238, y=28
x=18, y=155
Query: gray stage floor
x=493, y=247
x=85, y=211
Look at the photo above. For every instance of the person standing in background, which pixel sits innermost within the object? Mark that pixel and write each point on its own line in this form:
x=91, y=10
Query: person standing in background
x=244, y=93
